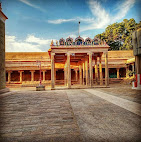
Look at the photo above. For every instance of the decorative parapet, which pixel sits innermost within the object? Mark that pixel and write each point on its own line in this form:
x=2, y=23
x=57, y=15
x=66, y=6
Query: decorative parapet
x=78, y=46
x=79, y=41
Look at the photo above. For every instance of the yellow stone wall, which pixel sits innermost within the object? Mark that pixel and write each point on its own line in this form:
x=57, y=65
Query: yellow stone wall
x=115, y=59
x=33, y=56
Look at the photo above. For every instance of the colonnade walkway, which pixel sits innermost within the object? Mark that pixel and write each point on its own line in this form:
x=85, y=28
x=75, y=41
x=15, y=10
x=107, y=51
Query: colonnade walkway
x=76, y=115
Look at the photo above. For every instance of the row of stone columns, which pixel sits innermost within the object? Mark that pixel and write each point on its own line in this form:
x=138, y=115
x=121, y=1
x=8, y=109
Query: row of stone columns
x=86, y=75
x=21, y=76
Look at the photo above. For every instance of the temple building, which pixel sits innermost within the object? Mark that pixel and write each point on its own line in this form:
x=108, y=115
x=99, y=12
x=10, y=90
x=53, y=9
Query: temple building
x=69, y=63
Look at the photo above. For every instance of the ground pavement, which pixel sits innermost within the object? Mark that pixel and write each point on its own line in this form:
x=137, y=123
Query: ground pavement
x=75, y=115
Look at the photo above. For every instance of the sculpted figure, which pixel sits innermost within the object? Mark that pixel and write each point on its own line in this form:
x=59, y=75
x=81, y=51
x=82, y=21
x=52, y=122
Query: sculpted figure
x=51, y=42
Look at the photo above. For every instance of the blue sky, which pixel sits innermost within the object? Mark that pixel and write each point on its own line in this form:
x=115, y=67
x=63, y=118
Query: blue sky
x=32, y=24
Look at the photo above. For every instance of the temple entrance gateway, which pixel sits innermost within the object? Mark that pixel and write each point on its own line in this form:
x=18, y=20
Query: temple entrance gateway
x=85, y=58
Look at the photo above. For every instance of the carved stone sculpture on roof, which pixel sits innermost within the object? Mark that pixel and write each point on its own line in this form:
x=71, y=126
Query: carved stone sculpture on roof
x=96, y=41
x=79, y=40
x=88, y=41
x=52, y=43
x=56, y=42
x=62, y=41
x=69, y=41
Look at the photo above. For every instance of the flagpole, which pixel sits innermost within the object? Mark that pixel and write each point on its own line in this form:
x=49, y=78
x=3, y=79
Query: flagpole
x=78, y=28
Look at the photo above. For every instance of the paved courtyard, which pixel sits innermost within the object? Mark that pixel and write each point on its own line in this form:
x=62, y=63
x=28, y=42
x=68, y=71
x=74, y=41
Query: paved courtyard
x=76, y=115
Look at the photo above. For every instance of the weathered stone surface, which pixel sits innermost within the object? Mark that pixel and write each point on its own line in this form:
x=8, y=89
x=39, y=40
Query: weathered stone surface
x=37, y=116
x=100, y=120
x=65, y=116
x=2, y=55
x=4, y=90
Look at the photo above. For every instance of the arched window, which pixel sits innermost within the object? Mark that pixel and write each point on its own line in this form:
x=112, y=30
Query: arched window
x=62, y=41
x=69, y=41
x=79, y=40
x=88, y=41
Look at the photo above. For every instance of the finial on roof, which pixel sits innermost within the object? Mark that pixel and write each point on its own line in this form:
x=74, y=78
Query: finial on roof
x=51, y=43
x=56, y=42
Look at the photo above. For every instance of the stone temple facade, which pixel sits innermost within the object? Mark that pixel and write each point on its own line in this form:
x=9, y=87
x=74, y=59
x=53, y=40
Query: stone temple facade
x=70, y=63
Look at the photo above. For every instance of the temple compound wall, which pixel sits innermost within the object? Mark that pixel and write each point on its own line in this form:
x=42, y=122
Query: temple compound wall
x=136, y=39
x=2, y=49
x=70, y=64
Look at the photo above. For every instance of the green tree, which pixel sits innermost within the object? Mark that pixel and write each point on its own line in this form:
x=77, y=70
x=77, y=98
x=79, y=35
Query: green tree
x=118, y=35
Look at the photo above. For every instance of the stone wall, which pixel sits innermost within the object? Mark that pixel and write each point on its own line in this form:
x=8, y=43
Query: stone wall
x=2, y=55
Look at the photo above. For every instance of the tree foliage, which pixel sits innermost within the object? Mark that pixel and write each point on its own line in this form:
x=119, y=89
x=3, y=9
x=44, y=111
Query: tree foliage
x=119, y=35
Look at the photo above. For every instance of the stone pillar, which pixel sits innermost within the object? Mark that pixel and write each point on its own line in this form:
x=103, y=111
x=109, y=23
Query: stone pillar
x=96, y=72
x=118, y=73
x=52, y=71
x=133, y=70
x=100, y=71
x=44, y=75
x=127, y=71
x=106, y=70
x=65, y=74
x=80, y=74
x=32, y=75
x=9, y=76
x=55, y=73
x=138, y=64
x=21, y=76
x=2, y=52
x=68, y=71
x=83, y=73
x=90, y=69
x=76, y=75
x=86, y=67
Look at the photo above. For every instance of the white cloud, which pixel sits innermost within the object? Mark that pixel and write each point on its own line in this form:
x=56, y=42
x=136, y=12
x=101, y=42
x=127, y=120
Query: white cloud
x=101, y=18
x=32, y=5
x=33, y=39
x=30, y=44
x=60, y=21
x=123, y=9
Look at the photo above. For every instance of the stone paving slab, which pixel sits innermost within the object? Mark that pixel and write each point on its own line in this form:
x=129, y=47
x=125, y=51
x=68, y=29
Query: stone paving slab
x=65, y=116
x=102, y=121
x=37, y=116
x=124, y=103
x=123, y=91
